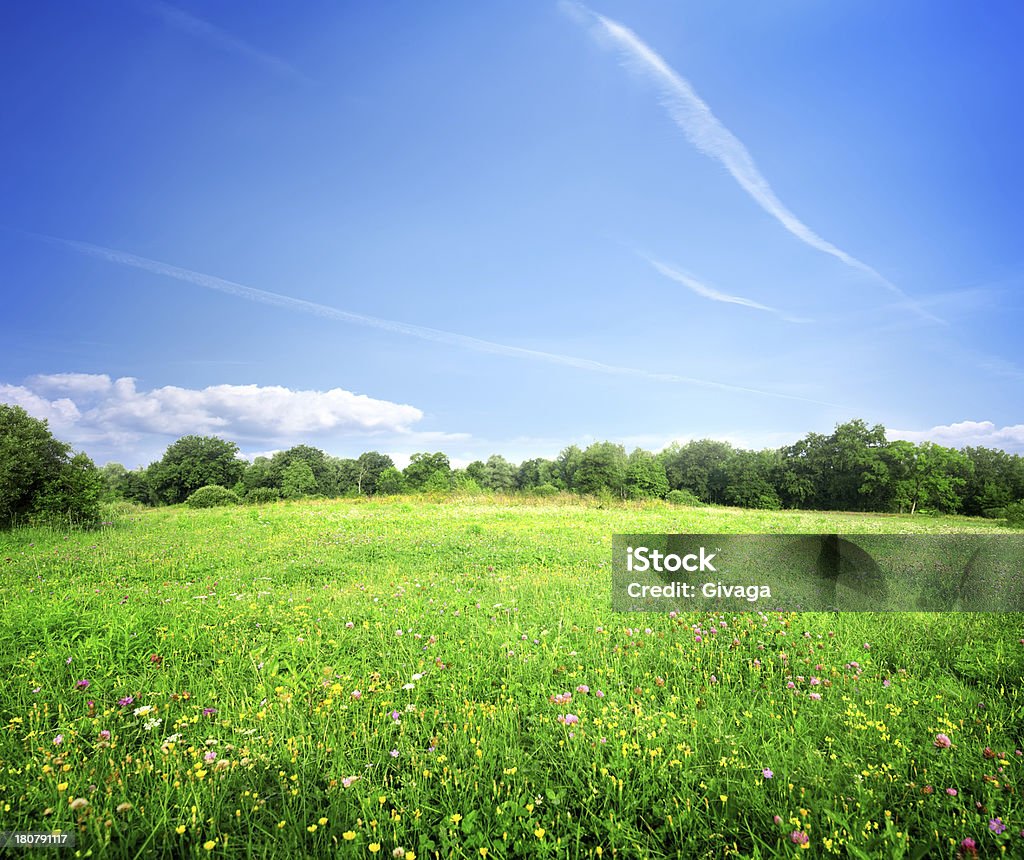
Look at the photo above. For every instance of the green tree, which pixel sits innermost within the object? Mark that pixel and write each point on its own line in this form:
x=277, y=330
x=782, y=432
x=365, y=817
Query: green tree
x=991, y=484
x=566, y=464
x=193, y=462
x=115, y=480
x=927, y=475
x=298, y=480
x=477, y=472
x=371, y=465
x=390, y=482
x=345, y=475
x=323, y=474
x=423, y=469
x=535, y=473
x=749, y=477
x=645, y=476
x=601, y=467
x=499, y=474
x=258, y=475
x=698, y=466
x=40, y=477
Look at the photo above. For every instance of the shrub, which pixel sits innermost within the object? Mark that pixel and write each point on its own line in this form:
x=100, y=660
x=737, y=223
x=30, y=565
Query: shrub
x=262, y=495
x=212, y=496
x=683, y=497
x=545, y=491
x=1014, y=513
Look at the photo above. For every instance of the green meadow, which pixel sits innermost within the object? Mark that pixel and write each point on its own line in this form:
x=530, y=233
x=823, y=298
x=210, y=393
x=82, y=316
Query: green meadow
x=418, y=678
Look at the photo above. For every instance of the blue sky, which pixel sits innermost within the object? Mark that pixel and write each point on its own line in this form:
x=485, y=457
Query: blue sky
x=508, y=227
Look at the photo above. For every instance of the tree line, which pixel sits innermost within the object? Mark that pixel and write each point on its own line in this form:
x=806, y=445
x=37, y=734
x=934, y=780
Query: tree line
x=855, y=468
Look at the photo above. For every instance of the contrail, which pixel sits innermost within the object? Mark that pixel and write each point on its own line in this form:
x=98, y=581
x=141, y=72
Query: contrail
x=221, y=38
x=422, y=332
x=692, y=284
x=707, y=133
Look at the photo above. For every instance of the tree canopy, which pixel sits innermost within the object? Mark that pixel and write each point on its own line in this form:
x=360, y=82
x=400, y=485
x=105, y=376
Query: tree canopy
x=41, y=479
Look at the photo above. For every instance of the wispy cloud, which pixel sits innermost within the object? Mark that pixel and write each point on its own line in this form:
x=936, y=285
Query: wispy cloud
x=221, y=285
x=704, y=291
x=201, y=29
x=707, y=133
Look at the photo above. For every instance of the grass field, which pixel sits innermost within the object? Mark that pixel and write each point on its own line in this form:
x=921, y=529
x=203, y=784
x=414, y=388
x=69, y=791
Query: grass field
x=415, y=678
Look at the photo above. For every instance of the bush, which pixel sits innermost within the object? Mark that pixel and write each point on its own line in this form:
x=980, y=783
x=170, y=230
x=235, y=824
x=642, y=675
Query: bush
x=683, y=497
x=545, y=491
x=1014, y=513
x=262, y=495
x=212, y=496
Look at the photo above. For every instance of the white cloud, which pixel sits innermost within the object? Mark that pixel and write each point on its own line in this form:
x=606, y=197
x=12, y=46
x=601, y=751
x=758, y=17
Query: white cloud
x=962, y=434
x=96, y=408
x=707, y=133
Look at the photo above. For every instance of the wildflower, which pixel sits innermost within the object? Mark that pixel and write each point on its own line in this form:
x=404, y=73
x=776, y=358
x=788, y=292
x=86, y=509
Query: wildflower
x=942, y=741
x=348, y=835
x=569, y=719
x=209, y=712
x=348, y=780
x=398, y=853
x=356, y=694
x=374, y=847
x=123, y=808
x=78, y=803
x=394, y=753
x=396, y=716
x=969, y=847
x=409, y=686
x=815, y=696
x=951, y=792
x=58, y=740
x=210, y=844
x=767, y=773
x=210, y=756
x=927, y=790
x=583, y=688
x=417, y=676
x=539, y=832
x=456, y=818
x=996, y=825
x=179, y=829
x=142, y=710
x=483, y=852
x=798, y=837
x=777, y=819
x=125, y=701
x=81, y=685
x=988, y=752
